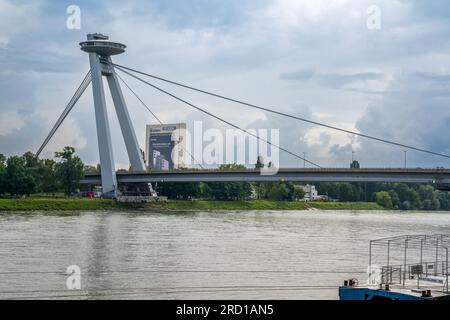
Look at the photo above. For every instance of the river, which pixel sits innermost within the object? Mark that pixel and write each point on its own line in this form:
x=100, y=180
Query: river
x=199, y=255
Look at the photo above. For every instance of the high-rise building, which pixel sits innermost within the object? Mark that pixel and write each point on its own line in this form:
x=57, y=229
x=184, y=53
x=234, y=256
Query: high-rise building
x=165, y=146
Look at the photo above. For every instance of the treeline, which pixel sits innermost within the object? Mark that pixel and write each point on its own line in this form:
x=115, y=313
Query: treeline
x=286, y=191
x=27, y=174
x=231, y=190
x=389, y=195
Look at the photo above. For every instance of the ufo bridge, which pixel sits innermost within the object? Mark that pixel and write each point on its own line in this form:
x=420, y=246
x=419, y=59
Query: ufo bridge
x=100, y=50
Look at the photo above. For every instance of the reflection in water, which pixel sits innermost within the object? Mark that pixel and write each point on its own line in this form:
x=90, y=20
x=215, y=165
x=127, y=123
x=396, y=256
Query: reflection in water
x=214, y=255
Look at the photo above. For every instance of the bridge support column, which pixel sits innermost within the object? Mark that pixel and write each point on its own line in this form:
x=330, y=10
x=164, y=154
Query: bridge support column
x=108, y=172
x=100, y=50
x=133, y=150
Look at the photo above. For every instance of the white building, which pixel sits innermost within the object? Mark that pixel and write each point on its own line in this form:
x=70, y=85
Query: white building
x=311, y=193
x=165, y=146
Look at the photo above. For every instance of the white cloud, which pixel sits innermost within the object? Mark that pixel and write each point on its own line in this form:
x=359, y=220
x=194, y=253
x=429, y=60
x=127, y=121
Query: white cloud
x=347, y=75
x=10, y=121
x=18, y=17
x=4, y=40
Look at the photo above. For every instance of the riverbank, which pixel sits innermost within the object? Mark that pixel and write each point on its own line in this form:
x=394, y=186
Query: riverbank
x=44, y=204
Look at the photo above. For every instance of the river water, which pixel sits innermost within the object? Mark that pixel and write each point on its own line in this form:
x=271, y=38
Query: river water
x=200, y=255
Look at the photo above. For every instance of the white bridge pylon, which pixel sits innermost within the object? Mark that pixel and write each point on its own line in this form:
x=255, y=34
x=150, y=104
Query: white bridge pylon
x=100, y=50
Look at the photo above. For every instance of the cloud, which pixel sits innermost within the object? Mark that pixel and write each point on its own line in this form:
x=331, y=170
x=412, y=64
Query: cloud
x=9, y=122
x=331, y=80
x=443, y=79
x=311, y=58
x=300, y=75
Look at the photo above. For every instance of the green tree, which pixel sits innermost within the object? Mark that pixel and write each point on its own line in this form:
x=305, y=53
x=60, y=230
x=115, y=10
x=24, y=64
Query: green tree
x=2, y=174
x=396, y=203
x=258, y=186
x=31, y=161
x=354, y=165
x=348, y=192
x=444, y=200
x=230, y=190
x=436, y=205
x=69, y=169
x=88, y=169
x=48, y=182
x=263, y=188
x=413, y=197
x=279, y=192
x=384, y=199
x=299, y=192
x=405, y=205
x=180, y=190
x=259, y=163
x=19, y=179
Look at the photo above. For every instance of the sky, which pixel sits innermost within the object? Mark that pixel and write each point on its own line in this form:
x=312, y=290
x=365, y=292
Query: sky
x=328, y=61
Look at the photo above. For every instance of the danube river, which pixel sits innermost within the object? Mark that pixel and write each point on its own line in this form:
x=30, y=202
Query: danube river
x=203, y=255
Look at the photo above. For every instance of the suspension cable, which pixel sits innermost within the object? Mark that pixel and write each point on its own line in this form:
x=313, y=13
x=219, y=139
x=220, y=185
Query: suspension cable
x=154, y=115
x=287, y=115
x=137, y=97
x=217, y=117
x=82, y=87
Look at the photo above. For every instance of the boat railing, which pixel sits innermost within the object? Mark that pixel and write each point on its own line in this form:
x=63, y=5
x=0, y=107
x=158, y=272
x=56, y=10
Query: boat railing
x=407, y=249
x=436, y=271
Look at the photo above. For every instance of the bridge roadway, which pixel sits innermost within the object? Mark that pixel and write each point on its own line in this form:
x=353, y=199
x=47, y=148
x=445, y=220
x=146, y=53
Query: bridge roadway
x=437, y=176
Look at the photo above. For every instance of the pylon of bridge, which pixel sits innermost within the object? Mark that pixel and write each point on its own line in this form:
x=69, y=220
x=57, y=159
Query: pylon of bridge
x=100, y=50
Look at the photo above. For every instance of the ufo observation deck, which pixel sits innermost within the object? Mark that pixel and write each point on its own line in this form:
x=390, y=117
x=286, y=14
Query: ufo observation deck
x=102, y=47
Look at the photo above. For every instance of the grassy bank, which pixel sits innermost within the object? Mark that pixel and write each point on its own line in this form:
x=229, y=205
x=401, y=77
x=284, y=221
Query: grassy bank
x=262, y=205
x=55, y=204
x=44, y=204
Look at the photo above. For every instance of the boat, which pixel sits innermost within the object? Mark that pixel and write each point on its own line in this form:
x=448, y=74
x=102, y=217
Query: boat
x=408, y=267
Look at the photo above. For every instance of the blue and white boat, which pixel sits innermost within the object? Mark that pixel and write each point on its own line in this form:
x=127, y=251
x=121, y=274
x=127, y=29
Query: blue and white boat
x=411, y=267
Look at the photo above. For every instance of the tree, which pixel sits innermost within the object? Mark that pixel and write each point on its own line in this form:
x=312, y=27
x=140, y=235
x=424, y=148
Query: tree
x=88, y=169
x=413, y=197
x=259, y=163
x=2, y=162
x=48, y=182
x=19, y=180
x=279, y=192
x=396, y=203
x=263, y=188
x=230, y=190
x=299, y=192
x=384, y=199
x=180, y=190
x=31, y=161
x=348, y=192
x=405, y=205
x=2, y=174
x=354, y=165
x=69, y=169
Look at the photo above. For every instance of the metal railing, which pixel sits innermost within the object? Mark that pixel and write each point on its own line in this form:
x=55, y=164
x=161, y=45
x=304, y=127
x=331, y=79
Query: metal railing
x=398, y=274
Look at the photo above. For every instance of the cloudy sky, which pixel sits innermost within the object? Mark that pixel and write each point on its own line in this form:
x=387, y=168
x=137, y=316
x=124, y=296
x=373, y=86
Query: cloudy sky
x=316, y=59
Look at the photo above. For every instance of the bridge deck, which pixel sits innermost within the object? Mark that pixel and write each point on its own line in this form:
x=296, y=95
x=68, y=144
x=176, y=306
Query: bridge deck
x=439, y=176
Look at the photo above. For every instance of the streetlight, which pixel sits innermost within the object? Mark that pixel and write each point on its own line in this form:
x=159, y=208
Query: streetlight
x=405, y=157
